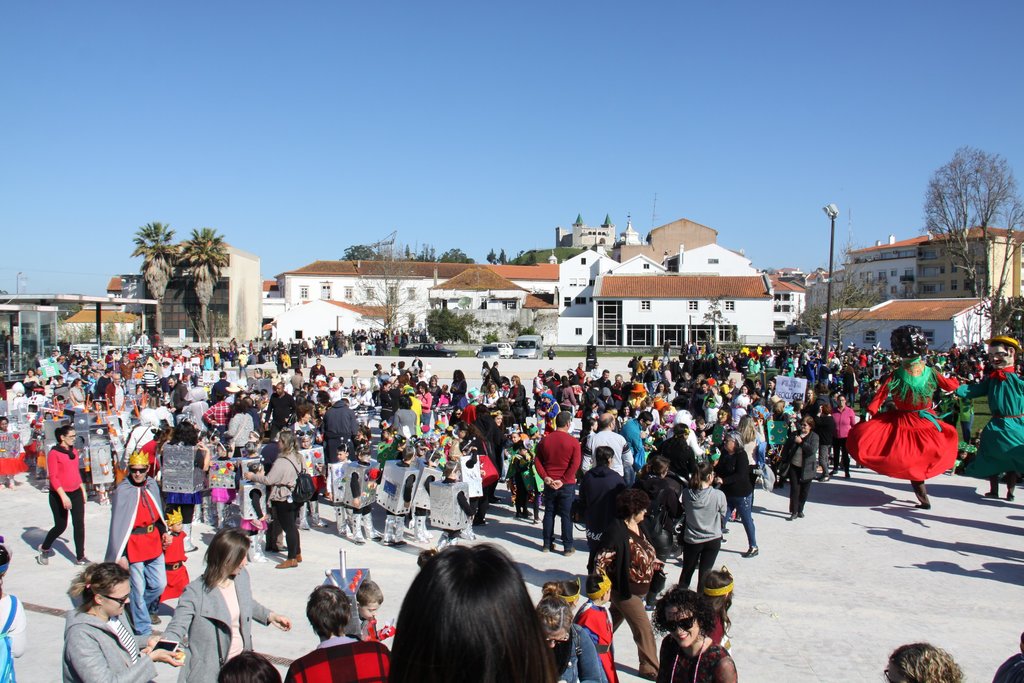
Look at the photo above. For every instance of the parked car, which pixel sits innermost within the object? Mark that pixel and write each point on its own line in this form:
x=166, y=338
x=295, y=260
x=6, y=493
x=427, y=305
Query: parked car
x=489, y=351
x=428, y=350
x=497, y=350
x=528, y=346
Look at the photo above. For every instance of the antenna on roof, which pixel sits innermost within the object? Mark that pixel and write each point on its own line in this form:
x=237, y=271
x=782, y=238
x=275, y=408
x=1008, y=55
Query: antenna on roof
x=654, y=210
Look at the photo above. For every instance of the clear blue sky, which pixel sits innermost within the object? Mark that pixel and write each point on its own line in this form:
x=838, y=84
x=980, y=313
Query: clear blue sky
x=297, y=129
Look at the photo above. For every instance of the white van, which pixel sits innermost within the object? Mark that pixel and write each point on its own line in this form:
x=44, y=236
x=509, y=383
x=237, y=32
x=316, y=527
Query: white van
x=528, y=346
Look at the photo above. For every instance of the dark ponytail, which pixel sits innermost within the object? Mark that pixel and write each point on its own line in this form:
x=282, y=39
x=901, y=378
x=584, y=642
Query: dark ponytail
x=704, y=469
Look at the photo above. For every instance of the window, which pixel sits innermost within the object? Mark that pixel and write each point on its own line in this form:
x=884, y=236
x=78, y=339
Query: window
x=325, y=290
x=892, y=273
x=929, y=271
x=579, y=331
x=609, y=323
x=510, y=304
x=348, y=293
x=567, y=302
x=953, y=285
x=927, y=254
x=647, y=266
x=691, y=305
x=870, y=337
x=583, y=261
x=639, y=335
x=591, y=283
x=929, y=336
x=673, y=334
x=931, y=288
x=726, y=333
x=410, y=292
x=712, y=262
x=581, y=299
x=304, y=292
x=645, y=305
x=730, y=305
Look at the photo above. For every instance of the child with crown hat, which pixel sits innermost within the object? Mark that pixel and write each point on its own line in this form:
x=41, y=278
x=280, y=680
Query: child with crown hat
x=596, y=621
x=174, y=558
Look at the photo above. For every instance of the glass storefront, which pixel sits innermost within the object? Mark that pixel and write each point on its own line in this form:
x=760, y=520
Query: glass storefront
x=26, y=333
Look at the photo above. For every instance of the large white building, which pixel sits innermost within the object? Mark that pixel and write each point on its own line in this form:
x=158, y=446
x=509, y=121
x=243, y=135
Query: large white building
x=790, y=303
x=576, y=279
x=403, y=287
x=649, y=310
x=710, y=259
x=945, y=322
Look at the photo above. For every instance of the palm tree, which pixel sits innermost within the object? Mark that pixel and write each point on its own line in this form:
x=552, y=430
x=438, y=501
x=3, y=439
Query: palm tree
x=159, y=256
x=203, y=255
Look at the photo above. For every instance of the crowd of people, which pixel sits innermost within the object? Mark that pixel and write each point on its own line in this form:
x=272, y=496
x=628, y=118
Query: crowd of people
x=653, y=464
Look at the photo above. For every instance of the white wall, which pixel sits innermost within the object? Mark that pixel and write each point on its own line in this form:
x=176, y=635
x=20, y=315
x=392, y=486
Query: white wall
x=714, y=258
x=318, y=318
x=752, y=317
x=639, y=265
x=574, y=278
x=960, y=331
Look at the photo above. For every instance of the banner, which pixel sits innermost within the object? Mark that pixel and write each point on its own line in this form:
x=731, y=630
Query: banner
x=50, y=368
x=790, y=389
x=10, y=444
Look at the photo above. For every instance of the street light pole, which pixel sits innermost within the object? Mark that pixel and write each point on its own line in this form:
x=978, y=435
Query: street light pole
x=832, y=211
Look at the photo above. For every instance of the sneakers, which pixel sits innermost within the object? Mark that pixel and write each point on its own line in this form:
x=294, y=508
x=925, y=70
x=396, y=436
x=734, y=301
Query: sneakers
x=43, y=557
x=568, y=552
x=753, y=552
x=83, y=561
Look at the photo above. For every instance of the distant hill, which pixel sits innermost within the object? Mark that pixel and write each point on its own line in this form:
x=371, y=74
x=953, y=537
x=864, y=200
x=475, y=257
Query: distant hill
x=542, y=255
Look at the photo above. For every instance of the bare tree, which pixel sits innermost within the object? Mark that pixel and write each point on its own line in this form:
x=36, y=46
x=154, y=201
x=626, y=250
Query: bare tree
x=852, y=296
x=391, y=287
x=966, y=200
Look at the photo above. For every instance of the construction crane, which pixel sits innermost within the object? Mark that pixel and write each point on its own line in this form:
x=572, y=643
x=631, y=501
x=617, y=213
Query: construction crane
x=388, y=242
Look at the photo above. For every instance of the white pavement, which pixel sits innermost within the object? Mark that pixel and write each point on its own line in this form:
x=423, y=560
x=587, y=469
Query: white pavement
x=827, y=599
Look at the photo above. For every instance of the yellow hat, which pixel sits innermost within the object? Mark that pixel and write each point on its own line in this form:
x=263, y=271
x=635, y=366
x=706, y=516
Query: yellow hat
x=174, y=517
x=138, y=459
x=603, y=586
x=1004, y=340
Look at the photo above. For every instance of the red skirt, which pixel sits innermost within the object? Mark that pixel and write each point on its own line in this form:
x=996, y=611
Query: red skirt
x=12, y=466
x=177, y=580
x=903, y=445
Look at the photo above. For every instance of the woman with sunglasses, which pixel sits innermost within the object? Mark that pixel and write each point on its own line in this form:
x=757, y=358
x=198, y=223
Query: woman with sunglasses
x=687, y=651
x=67, y=493
x=98, y=646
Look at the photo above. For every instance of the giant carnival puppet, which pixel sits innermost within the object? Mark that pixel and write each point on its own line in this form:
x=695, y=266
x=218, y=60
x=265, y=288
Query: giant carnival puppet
x=907, y=440
x=1002, y=441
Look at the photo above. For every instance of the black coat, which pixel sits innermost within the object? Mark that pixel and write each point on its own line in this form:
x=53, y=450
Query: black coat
x=734, y=471
x=598, y=491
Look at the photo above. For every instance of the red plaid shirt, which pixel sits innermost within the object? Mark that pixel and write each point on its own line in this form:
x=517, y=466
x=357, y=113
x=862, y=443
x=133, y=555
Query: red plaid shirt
x=217, y=414
x=358, y=662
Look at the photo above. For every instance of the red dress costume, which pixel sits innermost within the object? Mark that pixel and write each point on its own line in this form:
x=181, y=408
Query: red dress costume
x=598, y=622
x=177, y=574
x=908, y=442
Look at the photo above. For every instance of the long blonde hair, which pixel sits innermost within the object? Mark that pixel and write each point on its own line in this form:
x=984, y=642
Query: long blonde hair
x=287, y=442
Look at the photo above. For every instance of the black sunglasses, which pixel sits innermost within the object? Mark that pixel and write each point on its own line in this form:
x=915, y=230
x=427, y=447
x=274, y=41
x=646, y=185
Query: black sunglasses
x=685, y=624
x=136, y=470
x=121, y=601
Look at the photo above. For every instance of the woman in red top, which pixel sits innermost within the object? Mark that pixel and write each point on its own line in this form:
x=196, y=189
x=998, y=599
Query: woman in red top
x=67, y=492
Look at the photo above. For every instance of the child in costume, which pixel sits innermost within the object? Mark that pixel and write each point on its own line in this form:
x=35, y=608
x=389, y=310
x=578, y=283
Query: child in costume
x=359, y=526
x=718, y=586
x=426, y=457
x=450, y=536
x=907, y=442
x=174, y=558
x=369, y=598
x=525, y=482
x=256, y=527
x=595, y=618
x=1002, y=441
x=394, y=524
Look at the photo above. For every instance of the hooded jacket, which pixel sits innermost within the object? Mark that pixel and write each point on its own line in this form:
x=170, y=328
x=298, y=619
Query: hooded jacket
x=705, y=510
x=93, y=654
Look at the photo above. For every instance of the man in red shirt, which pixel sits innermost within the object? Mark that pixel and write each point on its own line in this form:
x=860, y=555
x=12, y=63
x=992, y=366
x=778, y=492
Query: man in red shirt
x=138, y=537
x=338, y=659
x=558, y=460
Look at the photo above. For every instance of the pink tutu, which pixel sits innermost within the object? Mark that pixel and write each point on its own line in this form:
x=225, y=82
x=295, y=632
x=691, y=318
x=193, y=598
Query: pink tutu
x=223, y=495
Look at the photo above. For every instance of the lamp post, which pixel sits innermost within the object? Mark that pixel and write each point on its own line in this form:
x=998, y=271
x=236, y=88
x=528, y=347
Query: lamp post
x=832, y=211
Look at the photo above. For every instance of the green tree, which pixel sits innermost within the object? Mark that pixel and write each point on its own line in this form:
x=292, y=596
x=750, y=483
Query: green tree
x=455, y=256
x=502, y=258
x=153, y=242
x=427, y=254
x=492, y=257
x=359, y=252
x=446, y=325
x=204, y=254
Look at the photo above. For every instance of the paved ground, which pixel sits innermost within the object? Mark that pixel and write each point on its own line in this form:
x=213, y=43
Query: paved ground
x=829, y=597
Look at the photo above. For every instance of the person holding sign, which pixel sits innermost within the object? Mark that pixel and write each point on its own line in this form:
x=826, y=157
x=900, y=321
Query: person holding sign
x=907, y=441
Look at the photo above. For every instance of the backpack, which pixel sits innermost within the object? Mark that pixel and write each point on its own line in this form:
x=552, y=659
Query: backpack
x=6, y=657
x=303, y=490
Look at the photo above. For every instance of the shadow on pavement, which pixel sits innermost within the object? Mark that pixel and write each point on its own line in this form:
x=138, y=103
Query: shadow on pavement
x=993, y=571
x=952, y=546
x=34, y=537
x=960, y=521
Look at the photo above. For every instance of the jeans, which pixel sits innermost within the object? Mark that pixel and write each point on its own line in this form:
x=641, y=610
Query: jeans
x=965, y=428
x=148, y=580
x=744, y=506
x=558, y=502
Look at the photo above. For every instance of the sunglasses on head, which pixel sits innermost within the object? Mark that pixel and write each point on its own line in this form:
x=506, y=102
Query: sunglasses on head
x=685, y=624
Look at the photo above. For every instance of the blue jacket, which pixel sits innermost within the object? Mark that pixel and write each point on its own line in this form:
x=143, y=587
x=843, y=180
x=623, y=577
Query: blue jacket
x=631, y=433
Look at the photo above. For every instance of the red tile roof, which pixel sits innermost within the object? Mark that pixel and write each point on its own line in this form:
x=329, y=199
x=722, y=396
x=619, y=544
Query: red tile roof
x=973, y=233
x=478, y=279
x=365, y=311
x=87, y=316
x=422, y=269
x=270, y=285
x=540, y=301
x=114, y=285
x=911, y=310
x=681, y=287
x=785, y=286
